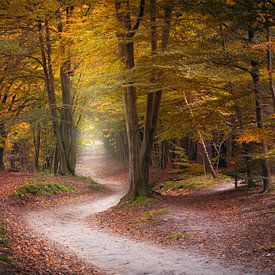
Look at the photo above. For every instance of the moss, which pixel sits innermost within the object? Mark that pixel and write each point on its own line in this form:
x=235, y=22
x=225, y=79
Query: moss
x=178, y=235
x=268, y=247
x=92, y=185
x=4, y=245
x=140, y=200
x=43, y=190
x=152, y=216
x=197, y=183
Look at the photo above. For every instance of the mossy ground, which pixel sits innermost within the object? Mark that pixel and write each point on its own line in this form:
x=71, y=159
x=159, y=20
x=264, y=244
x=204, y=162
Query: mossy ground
x=193, y=182
x=48, y=189
x=4, y=245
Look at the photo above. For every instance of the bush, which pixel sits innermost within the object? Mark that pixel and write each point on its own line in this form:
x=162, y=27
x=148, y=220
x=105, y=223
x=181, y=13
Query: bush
x=194, y=169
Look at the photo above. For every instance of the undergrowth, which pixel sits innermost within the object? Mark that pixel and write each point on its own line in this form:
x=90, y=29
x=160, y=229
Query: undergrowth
x=139, y=200
x=92, y=185
x=4, y=245
x=178, y=235
x=151, y=216
x=49, y=189
x=198, y=182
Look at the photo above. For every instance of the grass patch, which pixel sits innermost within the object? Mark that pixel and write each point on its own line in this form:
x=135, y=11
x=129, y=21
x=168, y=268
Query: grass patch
x=152, y=216
x=197, y=183
x=268, y=247
x=178, y=235
x=140, y=200
x=4, y=245
x=92, y=185
x=49, y=189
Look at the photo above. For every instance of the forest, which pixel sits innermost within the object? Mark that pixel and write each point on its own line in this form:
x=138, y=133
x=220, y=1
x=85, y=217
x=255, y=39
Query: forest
x=134, y=129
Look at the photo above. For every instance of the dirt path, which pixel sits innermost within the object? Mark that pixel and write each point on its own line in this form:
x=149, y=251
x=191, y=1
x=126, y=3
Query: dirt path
x=66, y=227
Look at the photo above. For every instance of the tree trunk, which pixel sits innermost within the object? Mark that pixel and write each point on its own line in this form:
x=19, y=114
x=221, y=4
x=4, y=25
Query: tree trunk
x=153, y=99
x=36, y=142
x=269, y=52
x=67, y=117
x=3, y=137
x=45, y=49
x=246, y=150
x=266, y=174
x=126, y=52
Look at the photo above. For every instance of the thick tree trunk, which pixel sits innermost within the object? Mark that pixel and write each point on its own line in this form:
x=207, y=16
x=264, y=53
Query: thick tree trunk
x=68, y=126
x=126, y=52
x=266, y=174
x=153, y=99
x=67, y=117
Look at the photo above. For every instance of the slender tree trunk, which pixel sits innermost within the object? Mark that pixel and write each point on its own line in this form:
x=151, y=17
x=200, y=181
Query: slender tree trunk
x=206, y=154
x=246, y=150
x=36, y=142
x=266, y=174
x=45, y=49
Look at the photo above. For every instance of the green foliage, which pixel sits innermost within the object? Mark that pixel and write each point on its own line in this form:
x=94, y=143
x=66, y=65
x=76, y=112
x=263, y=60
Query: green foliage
x=178, y=235
x=181, y=157
x=268, y=247
x=197, y=183
x=139, y=200
x=92, y=185
x=49, y=189
x=4, y=244
x=151, y=216
x=193, y=169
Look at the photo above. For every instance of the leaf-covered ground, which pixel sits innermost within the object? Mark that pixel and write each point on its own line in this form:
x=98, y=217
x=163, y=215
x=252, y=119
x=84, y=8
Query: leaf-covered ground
x=235, y=226
x=28, y=253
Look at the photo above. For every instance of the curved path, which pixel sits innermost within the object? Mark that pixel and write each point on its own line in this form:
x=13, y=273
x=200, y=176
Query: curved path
x=65, y=226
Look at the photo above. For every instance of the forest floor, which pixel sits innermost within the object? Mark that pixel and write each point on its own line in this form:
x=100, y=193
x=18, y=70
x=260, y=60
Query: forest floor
x=236, y=227
x=22, y=251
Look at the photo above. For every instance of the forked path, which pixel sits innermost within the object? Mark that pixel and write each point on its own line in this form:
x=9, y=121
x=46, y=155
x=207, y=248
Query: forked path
x=65, y=226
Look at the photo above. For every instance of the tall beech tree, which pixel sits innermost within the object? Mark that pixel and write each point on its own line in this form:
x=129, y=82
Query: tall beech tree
x=140, y=151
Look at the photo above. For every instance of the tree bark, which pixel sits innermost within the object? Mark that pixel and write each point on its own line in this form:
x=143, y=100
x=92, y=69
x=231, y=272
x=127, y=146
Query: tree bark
x=246, y=150
x=266, y=174
x=153, y=99
x=269, y=52
x=126, y=52
x=36, y=142
x=3, y=137
x=45, y=49
x=67, y=117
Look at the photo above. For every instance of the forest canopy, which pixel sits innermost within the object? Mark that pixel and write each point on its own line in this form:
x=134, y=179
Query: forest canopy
x=162, y=83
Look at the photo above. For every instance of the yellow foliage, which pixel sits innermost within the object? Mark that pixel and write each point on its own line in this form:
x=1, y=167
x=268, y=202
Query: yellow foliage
x=257, y=135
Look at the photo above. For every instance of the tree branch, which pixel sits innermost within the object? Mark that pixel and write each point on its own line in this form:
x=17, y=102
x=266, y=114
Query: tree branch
x=139, y=18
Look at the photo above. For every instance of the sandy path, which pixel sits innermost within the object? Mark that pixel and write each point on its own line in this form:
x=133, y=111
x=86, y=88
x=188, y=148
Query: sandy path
x=65, y=226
